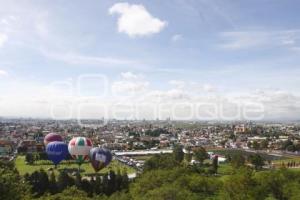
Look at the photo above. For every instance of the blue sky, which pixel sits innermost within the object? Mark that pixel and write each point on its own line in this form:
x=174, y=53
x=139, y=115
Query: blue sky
x=194, y=49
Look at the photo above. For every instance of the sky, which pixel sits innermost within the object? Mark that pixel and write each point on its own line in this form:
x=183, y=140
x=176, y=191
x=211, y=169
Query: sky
x=183, y=59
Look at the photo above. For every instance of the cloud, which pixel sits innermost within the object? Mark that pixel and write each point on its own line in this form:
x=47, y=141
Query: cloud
x=237, y=40
x=141, y=101
x=193, y=86
x=176, y=37
x=3, y=39
x=178, y=83
x=129, y=75
x=3, y=73
x=78, y=59
x=166, y=96
x=208, y=88
x=241, y=40
x=135, y=20
x=129, y=86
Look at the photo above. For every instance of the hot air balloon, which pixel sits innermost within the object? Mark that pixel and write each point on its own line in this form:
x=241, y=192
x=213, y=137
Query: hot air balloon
x=57, y=151
x=99, y=158
x=79, y=148
x=52, y=137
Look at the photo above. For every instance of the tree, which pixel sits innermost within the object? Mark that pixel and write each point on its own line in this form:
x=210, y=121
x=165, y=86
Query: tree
x=43, y=156
x=111, y=182
x=64, y=180
x=39, y=182
x=161, y=161
x=170, y=192
x=177, y=183
x=12, y=186
x=232, y=136
x=291, y=148
x=125, y=182
x=98, y=187
x=285, y=144
x=86, y=186
x=264, y=144
x=78, y=180
x=297, y=147
x=257, y=160
x=237, y=160
x=255, y=145
x=200, y=154
x=215, y=164
x=52, y=183
x=249, y=144
x=239, y=186
x=118, y=180
x=70, y=193
x=188, y=155
x=105, y=182
x=178, y=153
x=29, y=158
x=274, y=183
x=119, y=196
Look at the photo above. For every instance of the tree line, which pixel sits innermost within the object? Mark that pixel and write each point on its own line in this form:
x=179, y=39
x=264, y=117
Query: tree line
x=42, y=183
x=165, y=177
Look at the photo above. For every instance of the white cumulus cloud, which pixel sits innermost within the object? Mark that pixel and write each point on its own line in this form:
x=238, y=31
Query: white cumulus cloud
x=129, y=75
x=135, y=20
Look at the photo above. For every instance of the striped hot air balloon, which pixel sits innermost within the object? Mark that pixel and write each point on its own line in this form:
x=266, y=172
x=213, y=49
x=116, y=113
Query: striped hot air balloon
x=79, y=148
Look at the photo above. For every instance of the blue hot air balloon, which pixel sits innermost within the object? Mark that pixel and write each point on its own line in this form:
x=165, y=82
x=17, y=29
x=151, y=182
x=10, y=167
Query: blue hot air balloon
x=99, y=158
x=57, y=151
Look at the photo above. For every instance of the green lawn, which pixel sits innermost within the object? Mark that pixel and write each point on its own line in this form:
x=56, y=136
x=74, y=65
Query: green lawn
x=225, y=169
x=143, y=158
x=86, y=168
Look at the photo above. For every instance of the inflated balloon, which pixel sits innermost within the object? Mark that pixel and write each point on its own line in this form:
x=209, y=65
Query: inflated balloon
x=57, y=151
x=52, y=137
x=79, y=148
x=99, y=158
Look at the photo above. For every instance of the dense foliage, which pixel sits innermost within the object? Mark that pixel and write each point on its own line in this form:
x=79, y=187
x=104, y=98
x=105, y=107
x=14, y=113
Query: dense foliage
x=11, y=184
x=41, y=183
x=166, y=177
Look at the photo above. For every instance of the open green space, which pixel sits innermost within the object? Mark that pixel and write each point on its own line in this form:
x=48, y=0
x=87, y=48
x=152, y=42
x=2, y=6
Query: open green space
x=265, y=156
x=142, y=158
x=85, y=168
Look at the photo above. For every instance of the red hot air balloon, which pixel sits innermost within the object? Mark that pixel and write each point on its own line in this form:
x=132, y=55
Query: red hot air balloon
x=52, y=137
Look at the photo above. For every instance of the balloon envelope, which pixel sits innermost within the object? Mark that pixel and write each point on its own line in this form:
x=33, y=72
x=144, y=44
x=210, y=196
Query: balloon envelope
x=79, y=148
x=52, y=137
x=57, y=151
x=99, y=158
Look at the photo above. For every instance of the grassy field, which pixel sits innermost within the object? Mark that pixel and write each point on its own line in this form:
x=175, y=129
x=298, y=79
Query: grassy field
x=86, y=168
x=143, y=158
x=225, y=169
